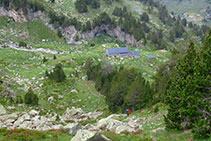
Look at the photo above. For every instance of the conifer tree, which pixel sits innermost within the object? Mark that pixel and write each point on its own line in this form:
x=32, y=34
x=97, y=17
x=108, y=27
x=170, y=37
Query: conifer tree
x=58, y=73
x=31, y=98
x=188, y=92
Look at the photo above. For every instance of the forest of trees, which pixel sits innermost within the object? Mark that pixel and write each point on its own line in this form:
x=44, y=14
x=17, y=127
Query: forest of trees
x=123, y=87
x=183, y=84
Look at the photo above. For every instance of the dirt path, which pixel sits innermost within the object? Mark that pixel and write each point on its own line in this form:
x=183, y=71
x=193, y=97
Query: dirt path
x=150, y=119
x=89, y=87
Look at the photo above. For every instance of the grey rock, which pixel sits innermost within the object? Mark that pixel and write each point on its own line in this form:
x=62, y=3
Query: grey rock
x=73, y=128
x=83, y=135
x=99, y=137
x=33, y=113
x=8, y=116
x=2, y=110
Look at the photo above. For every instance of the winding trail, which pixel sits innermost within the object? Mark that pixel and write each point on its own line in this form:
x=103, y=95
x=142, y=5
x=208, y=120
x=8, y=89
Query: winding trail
x=89, y=88
x=44, y=50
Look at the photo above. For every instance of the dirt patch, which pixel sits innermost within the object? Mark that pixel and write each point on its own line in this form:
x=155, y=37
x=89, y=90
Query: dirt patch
x=89, y=88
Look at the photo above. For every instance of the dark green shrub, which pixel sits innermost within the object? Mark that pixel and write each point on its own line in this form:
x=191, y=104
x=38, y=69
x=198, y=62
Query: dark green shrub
x=59, y=34
x=58, y=74
x=19, y=100
x=44, y=60
x=202, y=129
x=31, y=98
x=22, y=44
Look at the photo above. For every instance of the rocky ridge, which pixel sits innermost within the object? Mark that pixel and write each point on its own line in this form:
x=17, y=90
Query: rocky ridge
x=70, y=32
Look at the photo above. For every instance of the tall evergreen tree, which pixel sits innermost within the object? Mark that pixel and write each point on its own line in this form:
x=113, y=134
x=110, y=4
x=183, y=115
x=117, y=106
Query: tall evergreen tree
x=188, y=92
x=31, y=98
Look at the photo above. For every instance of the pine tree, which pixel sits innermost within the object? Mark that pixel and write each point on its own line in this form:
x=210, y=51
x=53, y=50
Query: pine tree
x=58, y=73
x=134, y=96
x=31, y=98
x=45, y=60
x=188, y=92
x=54, y=57
x=115, y=97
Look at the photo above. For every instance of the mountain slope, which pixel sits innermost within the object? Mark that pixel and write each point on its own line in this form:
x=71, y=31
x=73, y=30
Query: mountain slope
x=194, y=8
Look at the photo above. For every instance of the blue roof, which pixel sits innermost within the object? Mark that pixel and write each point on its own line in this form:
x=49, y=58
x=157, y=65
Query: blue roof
x=150, y=57
x=118, y=50
x=134, y=53
x=122, y=52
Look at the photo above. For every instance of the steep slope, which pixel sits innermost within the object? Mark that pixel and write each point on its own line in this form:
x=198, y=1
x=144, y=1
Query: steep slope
x=193, y=10
x=137, y=23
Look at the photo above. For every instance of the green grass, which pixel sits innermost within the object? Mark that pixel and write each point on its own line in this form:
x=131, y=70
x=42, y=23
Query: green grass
x=22, y=134
x=32, y=31
x=28, y=70
x=154, y=126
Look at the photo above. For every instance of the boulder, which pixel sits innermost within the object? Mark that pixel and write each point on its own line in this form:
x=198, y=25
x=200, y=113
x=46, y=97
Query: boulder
x=9, y=116
x=116, y=116
x=133, y=124
x=108, y=124
x=2, y=110
x=73, y=128
x=123, y=128
x=90, y=127
x=83, y=135
x=99, y=137
x=20, y=120
x=93, y=115
x=86, y=135
x=25, y=125
x=74, y=114
x=33, y=113
x=59, y=126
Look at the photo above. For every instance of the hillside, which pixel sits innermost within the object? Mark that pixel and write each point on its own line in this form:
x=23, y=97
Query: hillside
x=193, y=10
x=56, y=82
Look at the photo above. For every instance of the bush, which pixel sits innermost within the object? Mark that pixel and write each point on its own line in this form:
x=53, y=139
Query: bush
x=31, y=98
x=22, y=44
x=19, y=100
x=92, y=44
x=58, y=74
x=202, y=129
x=45, y=60
x=59, y=34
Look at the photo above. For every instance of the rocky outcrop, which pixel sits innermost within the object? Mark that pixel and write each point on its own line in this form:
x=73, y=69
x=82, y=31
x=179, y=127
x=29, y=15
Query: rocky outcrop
x=20, y=16
x=115, y=32
x=70, y=32
x=77, y=114
x=114, y=125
